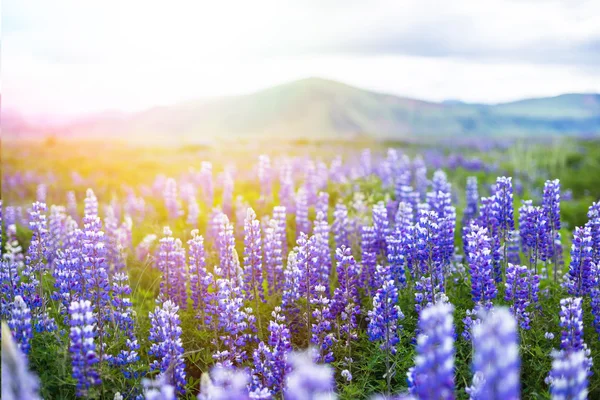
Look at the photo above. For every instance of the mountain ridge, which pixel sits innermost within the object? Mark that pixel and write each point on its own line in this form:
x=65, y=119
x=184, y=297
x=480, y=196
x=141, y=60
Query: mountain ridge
x=322, y=108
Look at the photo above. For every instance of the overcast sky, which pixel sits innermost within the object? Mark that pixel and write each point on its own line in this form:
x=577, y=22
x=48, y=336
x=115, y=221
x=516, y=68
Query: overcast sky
x=62, y=58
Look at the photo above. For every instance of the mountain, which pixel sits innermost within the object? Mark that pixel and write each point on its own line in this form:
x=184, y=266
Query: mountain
x=319, y=108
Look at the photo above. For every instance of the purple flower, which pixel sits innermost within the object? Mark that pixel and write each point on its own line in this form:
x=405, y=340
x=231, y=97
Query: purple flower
x=580, y=278
x=496, y=360
x=224, y=384
x=341, y=226
x=83, y=348
x=533, y=231
x=321, y=336
x=308, y=380
x=594, y=225
x=72, y=206
x=522, y=287
x=432, y=377
x=19, y=382
x=489, y=215
x=385, y=316
x=228, y=264
x=551, y=207
x=144, y=248
x=322, y=205
x=171, y=199
x=302, y=221
x=253, y=270
x=20, y=324
x=569, y=376
x=381, y=228
x=503, y=196
x=171, y=263
x=321, y=232
x=200, y=278
x=123, y=316
x=483, y=285
x=472, y=200
x=429, y=257
x=166, y=347
x=265, y=176
x=369, y=258
x=273, y=257
x=286, y=186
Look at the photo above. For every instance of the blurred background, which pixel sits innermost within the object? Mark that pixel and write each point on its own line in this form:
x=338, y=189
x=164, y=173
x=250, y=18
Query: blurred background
x=201, y=71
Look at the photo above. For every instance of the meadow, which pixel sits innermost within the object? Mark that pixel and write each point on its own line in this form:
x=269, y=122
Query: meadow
x=301, y=270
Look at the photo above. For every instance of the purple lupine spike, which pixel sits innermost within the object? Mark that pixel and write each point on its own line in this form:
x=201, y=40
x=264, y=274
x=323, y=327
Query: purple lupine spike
x=503, y=194
x=439, y=182
x=20, y=324
x=580, y=278
x=253, y=267
x=228, y=187
x=234, y=322
x=23, y=383
x=10, y=286
x=322, y=205
x=265, y=176
x=569, y=378
x=321, y=232
x=111, y=232
x=514, y=256
x=396, y=257
x=226, y=247
x=279, y=215
x=72, y=206
x=56, y=231
x=200, y=279
x=533, y=231
x=273, y=258
x=302, y=221
x=551, y=210
x=291, y=287
x=595, y=305
x=206, y=183
x=321, y=330
x=571, y=322
x=225, y=384
x=369, y=258
x=441, y=203
x=83, y=346
x=346, y=299
x=271, y=372
x=432, y=377
x=518, y=287
x=385, y=317
x=157, y=390
x=37, y=253
x=594, y=225
x=488, y=218
x=308, y=380
x=483, y=285
x=340, y=226
x=286, y=187
x=166, y=347
x=90, y=203
x=381, y=227
x=171, y=262
x=496, y=360
x=171, y=199
x=406, y=194
x=123, y=316
x=472, y=200
x=94, y=272
x=429, y=259
x=193, y=213
x=404, y=216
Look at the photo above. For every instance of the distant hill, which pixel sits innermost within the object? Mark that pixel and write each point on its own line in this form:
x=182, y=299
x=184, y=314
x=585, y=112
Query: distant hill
x=319, y=108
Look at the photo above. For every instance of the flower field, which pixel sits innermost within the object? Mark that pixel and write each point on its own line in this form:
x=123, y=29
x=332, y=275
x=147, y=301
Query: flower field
x=300, y=270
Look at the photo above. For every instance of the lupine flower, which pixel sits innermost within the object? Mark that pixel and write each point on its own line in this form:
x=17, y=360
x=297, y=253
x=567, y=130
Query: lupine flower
x=253, y=269
x=193, y=212
x=157, y=390
x=551, y=206
x=56, y=231
x=321, y=233
x=200, y=278
x=489, y=215
x=571, y=322
x=483, y=285
x=20, y=324
x=569, y=376
x=171, y=199
x=227, y=200
x=308, y=380
x=19, y=382
x=496, y=360
x=224, y=384
x=72, y=206
x=381, y=228
x=432, y=377
x=595, y=305
x=302, y=221
x=234, y=323
x=123, y=316
x=37, y=253
x=533, y=232
x=429, y=253
x=549, y=335
x=369, y=258
x=340, y=226
x=166, y=347
x=226, y=247
x=111, y=234
x=206, y=183
x=520, y=285
x=406, y=194
x=580, y=278
x=270, y=359
x=273, y=257
x=503, y=195
x=321, y=336
x=594, y=225
x=322, y=205
x=439, y=182
x=265, y=177
x=420, y=176
x=171, y=263
x=472, y=200
x=307, y=263
x=286, y=186
x=513, y=248
x=83, y=347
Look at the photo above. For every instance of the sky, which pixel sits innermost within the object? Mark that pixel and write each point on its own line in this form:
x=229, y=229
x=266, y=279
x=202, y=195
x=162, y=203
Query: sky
x=65, y=58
